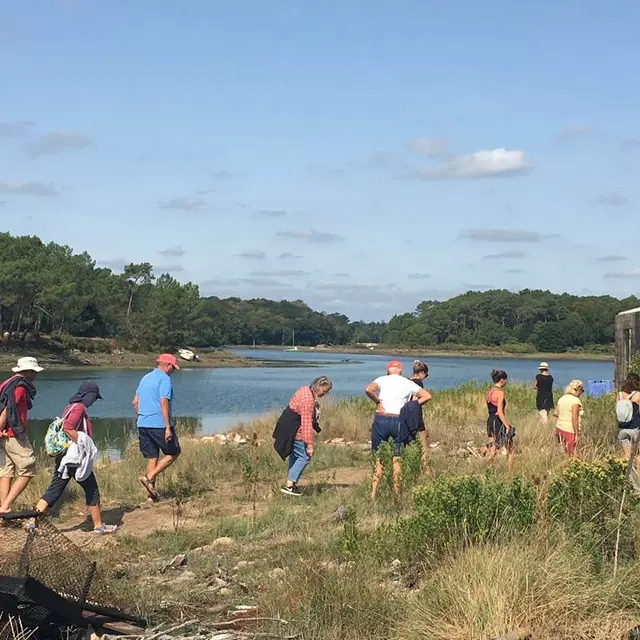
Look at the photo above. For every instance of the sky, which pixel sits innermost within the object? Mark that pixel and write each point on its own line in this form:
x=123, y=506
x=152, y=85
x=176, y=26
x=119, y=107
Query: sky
x=360, y=155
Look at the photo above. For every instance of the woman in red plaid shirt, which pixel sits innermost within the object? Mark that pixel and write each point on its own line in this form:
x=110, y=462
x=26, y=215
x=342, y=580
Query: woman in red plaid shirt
x=304, y=403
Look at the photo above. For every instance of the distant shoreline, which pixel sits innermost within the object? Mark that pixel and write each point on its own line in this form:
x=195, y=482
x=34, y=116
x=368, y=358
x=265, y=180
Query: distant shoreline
x=435, y=353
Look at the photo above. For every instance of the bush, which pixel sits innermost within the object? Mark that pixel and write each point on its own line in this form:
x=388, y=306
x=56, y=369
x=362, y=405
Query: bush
x=463, y=510
x=586, y=498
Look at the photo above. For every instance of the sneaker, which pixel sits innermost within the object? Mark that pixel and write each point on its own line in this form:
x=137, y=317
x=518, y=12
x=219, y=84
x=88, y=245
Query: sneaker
x=291, y=491
x=105, y=529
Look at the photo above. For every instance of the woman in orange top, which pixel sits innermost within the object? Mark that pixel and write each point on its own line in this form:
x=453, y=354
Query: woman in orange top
x=499, y=429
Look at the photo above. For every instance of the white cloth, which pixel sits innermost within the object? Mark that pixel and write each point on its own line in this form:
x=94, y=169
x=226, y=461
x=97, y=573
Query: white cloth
x=395, y=392
x=82, y=455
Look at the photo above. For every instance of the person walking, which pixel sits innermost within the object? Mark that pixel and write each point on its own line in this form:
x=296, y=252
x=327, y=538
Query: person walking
x=569, y=413
x=499, y=429
x=17, y=460
x=156, y=431
x=391, y=393
x=77, y=427
x=628, y=414
x=295, y=429
x=543, y=384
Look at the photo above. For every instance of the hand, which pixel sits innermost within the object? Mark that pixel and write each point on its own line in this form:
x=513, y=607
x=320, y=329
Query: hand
x=310, y=450
x=380, y=408
x=168, y=434
x=3, y=434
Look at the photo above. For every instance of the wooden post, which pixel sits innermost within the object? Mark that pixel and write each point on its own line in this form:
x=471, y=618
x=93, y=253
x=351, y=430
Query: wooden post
x=627, y=342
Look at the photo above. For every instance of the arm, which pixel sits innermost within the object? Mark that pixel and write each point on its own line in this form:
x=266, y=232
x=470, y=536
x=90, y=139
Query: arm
x=423, y=396
x=501, y=415
x=135, y=405
x=575, y=419
x=535, y=383
x=72, y=421
x=372, y=390
x=164, y=410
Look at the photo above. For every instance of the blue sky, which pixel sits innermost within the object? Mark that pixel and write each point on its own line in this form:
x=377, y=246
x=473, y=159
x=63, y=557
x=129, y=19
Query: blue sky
x=362, y=156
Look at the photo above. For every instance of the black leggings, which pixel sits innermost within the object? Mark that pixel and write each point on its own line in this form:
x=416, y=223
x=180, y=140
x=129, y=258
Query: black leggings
x=58, y=484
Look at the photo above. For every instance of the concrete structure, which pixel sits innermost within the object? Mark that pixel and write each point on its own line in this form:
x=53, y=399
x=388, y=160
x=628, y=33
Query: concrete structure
x=627, y=342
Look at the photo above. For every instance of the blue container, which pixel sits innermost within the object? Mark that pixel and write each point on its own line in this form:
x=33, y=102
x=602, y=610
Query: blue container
x=596, y=388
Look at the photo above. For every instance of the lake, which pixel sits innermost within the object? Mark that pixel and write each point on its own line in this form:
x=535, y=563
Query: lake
x=214, y=399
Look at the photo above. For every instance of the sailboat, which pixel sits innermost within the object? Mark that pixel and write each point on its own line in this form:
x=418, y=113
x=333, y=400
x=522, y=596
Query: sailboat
x=293, y=342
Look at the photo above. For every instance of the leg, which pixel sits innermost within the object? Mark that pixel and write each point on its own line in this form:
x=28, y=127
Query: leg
x=92, y=499
x=511, y=453
x=18, y=486
x=424, y=443
x=491, y=452
x=19, y=452
x=54, y=491
x=544, y=416
x=5, y=487
x=397, y=472
x=377, y=476
x=161, y=466
x=300, y=462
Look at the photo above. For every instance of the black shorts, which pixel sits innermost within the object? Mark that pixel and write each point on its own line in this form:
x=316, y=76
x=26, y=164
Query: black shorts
x=152, y=442
x=499, y=433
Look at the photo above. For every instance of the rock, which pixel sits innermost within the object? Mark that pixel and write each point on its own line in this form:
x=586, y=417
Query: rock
x=225, y=591
x=277, y=573
x=396, y=564
x=434, y=445
x=185, y=576
x=243, y=564
x=340, y=514
x=223, y=542
x=218, y=583
x=175, y=563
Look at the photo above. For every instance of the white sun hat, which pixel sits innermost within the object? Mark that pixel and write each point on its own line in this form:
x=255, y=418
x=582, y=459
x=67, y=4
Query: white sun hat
x=27, y=364
x=543, y=365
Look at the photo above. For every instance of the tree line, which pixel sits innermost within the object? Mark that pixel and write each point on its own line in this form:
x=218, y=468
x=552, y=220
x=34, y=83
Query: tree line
x=48, y=290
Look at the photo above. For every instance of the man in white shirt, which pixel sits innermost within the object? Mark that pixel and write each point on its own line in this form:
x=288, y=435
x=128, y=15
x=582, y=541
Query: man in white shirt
x=391, y=393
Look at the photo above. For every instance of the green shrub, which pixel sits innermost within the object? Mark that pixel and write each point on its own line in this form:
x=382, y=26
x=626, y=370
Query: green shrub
x=462, y=510
x=586, y=500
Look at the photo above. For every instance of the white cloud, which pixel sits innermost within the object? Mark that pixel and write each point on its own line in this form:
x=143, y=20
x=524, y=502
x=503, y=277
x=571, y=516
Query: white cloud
x=622, y=275
x=287, y=255
x=33, y=188
x=15, y=129
x=611, y=258
x=506, y=255
x=168, y=268
x=117, y=264
x=285, y=273
x=58, y=141
x=575, y=131
x=481, y=164
x=419, y=276
x=432, y=147
x=613, y=199
x=502, y=235
x=183, y=204
x=252, y=254
x=173, y=252
x=515, y=271
x=311, y=235
x=270, y=213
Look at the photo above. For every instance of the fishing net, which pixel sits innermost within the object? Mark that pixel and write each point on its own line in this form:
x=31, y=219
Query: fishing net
x=47, y=580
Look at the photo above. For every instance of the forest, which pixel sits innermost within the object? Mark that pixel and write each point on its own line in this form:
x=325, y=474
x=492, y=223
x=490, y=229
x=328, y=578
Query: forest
x=48, y=290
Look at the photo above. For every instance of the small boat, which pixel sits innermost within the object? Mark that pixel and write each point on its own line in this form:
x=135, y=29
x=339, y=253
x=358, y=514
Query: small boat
x=188, y=355
x=293, y=346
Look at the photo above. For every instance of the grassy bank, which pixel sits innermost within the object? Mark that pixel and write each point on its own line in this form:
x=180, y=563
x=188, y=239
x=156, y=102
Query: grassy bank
x=455, y=352
x=459, y=555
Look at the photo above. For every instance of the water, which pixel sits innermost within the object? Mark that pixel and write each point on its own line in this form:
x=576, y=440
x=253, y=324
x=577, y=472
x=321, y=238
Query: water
x=214, y=399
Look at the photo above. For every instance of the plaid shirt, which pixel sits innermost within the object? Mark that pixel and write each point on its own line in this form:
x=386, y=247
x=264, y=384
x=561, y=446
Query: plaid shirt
x=303, y=402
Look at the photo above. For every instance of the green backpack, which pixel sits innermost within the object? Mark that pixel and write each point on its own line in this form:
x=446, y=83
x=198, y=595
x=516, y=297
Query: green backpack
x=56, y=441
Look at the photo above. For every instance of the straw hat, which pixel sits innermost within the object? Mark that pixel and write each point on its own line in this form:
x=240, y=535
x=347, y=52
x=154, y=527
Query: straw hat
x=543, y=365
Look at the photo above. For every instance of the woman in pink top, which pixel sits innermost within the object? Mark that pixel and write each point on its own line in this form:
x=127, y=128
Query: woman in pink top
x=75, y=420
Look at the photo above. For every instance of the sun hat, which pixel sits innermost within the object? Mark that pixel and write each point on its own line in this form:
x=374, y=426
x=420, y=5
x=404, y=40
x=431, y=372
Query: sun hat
x=394, y=364
x=27, y=364
x=543, y=365
x=168, y=358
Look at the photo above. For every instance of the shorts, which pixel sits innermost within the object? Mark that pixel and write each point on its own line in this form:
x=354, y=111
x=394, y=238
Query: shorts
x=152, y=442
x=567, y=440
x=627, y=436
x=499, y=433
x=383, y=429
x=17, y=458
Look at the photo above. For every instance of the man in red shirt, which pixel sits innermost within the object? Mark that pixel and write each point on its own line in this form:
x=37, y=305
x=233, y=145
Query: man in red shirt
x=17, y=460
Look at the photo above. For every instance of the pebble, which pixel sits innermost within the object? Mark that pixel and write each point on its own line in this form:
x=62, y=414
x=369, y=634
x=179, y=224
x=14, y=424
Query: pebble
x=223, y=542
x=225, y=591
x=278, y=572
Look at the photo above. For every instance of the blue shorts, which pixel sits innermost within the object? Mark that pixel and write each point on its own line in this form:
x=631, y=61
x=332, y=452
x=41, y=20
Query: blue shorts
x=383, y=429
x=152, y=442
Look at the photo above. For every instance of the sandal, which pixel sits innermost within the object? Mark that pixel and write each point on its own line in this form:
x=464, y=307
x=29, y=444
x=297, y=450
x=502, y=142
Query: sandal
x=151, y=490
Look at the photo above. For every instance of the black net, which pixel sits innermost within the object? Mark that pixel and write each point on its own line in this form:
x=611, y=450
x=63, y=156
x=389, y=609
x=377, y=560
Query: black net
x=45, y=578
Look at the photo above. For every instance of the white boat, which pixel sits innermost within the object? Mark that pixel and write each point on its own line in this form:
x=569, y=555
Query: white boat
x=293, y=341
x=187, y=354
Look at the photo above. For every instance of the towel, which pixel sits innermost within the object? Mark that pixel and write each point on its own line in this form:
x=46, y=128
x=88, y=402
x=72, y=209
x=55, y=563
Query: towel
x=81, y=455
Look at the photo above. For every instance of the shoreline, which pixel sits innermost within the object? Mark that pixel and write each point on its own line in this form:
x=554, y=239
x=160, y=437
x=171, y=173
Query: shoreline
x=440, y=353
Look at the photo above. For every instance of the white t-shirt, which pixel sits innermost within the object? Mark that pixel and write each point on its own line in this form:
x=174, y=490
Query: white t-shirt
x=395, y=392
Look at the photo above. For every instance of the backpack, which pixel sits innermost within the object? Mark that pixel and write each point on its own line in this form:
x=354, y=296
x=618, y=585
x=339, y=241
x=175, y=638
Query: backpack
x=56, y=441
x=624, y=409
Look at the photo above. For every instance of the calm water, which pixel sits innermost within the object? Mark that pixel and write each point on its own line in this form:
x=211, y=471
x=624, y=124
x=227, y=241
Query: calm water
x=213, y=399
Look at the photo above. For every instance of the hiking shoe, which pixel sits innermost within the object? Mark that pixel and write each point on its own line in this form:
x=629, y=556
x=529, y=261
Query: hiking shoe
x=104, y=529
x=291, y=491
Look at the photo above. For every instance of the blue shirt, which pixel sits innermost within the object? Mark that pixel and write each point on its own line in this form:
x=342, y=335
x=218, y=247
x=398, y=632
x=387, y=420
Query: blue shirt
x=155, y=385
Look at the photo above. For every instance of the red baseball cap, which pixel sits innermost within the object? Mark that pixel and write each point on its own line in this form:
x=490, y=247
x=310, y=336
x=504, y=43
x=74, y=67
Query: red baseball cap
x=394, y=364
x=168, y=358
